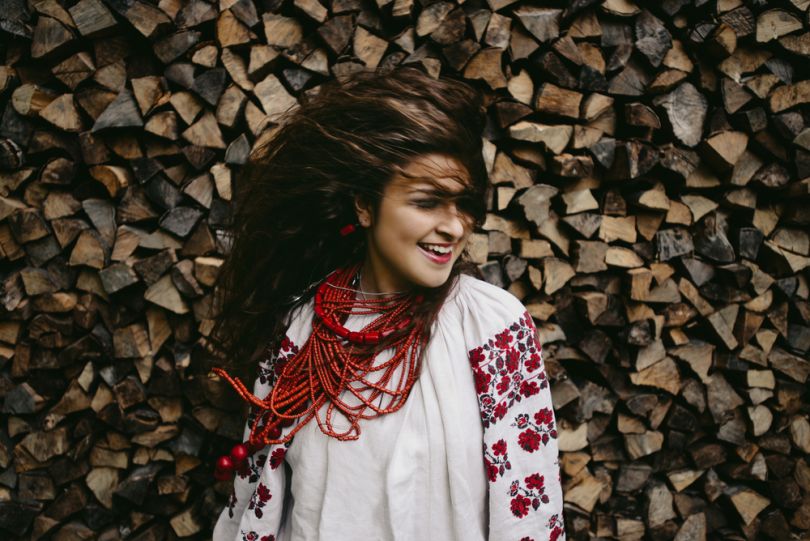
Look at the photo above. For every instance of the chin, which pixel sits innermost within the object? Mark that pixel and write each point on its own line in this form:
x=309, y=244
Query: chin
x=435, y=280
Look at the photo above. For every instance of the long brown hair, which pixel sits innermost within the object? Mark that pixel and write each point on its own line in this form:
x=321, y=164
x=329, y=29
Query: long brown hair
x=298, y=188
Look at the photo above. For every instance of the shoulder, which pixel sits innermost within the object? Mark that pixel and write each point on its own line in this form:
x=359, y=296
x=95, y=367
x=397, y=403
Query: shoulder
x=486, y=310
x=477, y=294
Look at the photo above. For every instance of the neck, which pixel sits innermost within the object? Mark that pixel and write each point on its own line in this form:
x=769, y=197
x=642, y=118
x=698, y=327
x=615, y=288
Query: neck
x=374, y=281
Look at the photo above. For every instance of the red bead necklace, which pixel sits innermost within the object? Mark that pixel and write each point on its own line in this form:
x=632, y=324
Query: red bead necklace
x=328, y=364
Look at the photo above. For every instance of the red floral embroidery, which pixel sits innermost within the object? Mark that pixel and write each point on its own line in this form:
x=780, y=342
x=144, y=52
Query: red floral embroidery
x=278, y=457
x=270, y=365
x=492, y=470
x=482, y=380
x=531, y=496
x=272, y=455
x=535, y=481
x=533, y=362
x=555, y=528
x=500, y=410
x=544, y=417
x=477, y=356
x=253, y=536
x=268, y=373
x=507, y=369
x=519, y=426
x=231, y=503
x=537, y=432
x=512, y=360
x=529, y=388
x=503, y=385
x=503, y=339
x=497, y=461
x=520, y=506
x=252, y=467
x=529, y=440
x=260, y=497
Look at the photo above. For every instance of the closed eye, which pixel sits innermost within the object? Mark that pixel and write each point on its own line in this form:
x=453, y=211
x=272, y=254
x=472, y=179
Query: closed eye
x=426, y=203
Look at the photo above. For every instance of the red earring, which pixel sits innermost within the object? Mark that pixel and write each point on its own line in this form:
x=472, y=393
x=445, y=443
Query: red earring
x=347, y=229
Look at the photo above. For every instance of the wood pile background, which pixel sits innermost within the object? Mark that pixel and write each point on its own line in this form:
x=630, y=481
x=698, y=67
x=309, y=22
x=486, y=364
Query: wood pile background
x=651, y=164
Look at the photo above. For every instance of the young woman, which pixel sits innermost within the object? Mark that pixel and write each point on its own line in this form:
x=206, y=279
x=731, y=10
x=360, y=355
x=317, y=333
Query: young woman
x=398, y=396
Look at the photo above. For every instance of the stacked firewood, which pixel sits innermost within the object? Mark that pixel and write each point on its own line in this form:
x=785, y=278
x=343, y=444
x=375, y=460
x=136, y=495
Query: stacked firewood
x=651, y=173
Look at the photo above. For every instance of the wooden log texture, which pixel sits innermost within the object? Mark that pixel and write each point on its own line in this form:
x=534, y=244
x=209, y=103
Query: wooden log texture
x=651, y=163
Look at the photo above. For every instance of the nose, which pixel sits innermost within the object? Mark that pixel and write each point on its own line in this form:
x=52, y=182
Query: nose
x=452, y=224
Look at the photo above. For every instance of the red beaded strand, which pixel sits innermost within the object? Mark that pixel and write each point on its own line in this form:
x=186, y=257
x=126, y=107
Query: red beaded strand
x=327, y=365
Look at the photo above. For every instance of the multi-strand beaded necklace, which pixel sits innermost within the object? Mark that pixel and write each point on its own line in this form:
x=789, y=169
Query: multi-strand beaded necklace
x=329, y=364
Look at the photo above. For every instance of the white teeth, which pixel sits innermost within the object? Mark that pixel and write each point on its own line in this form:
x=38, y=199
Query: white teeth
x=437, y=248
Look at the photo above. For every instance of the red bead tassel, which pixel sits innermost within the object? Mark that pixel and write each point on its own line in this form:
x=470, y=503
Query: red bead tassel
x=224, y=469
x=236, y=461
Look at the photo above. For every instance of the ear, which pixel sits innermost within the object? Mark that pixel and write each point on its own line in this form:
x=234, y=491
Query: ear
x=363, y=210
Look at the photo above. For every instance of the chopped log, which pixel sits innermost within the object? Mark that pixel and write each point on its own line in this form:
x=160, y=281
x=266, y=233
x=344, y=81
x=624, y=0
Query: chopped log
x=639, y=445
x=281, y=32
x=633, y=80
x=50, y=37
x=775, y=23
x=92, y=18
x=722, y=42
x=662, y=375
x=75, y=69
x=555, y=138
x=210, y=84
x=121, y=113
x=590, y=256
x=274, y=97
x=586, y=224
x=205, y=133
x=542, y=23
x=686, y=109
x=557, y=272
x=486, y=65
x=735, y=97
x=724, y=149
x=62, y=113
x=618, y=228
x=653, y=40
x=368, y=47
x=30, y=99
x=790, y=95
x=206, y=56
x=558, y=101
x=337, y=32
x=231, y=31
x=623, y=258
x=748, y=504
x=797, y=44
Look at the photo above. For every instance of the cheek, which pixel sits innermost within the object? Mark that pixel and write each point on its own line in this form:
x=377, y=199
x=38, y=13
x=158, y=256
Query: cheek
x=411, y=225
x=397, y=228
x=463, y=244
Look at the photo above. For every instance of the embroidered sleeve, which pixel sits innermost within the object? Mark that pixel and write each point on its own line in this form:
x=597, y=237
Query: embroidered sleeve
x=254, y=508
x=520, y=436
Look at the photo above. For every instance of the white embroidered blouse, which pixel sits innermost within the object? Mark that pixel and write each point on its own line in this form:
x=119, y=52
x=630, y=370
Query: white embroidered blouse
x=472, y=454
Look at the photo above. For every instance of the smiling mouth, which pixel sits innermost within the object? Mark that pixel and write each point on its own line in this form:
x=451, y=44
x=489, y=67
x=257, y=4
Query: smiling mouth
x=434, y=256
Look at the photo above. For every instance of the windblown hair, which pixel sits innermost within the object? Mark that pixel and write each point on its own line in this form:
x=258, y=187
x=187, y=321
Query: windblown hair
x=298, y=188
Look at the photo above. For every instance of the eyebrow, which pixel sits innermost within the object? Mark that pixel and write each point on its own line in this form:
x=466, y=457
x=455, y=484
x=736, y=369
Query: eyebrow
x=433, y=189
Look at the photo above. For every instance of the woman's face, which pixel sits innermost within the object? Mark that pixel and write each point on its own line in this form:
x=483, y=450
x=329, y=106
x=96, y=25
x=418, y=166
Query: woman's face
x=417, y=234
